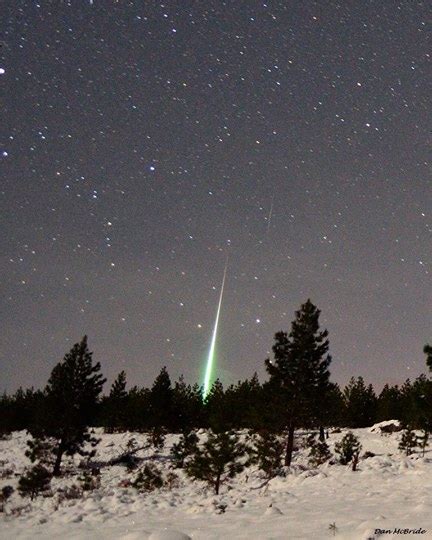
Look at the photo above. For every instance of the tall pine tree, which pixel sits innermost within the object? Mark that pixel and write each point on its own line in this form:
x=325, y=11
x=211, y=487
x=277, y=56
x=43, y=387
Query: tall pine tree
x=300, y=371
x=71, y=398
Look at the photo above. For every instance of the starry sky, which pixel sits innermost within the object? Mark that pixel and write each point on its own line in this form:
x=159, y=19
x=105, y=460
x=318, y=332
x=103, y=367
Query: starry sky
x=143, y=142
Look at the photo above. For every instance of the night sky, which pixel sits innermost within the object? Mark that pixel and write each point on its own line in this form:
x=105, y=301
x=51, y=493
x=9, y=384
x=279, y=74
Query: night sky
x=143, y=141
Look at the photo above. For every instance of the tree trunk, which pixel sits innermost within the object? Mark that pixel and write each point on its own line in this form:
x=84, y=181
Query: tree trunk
x=217, y=485
x=321, y=434
x=289, y=446
x=60, y=451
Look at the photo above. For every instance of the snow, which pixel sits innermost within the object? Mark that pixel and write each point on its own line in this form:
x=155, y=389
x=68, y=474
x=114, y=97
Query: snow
x=388, y=491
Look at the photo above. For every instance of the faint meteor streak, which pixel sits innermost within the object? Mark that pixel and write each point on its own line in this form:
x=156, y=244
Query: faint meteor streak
x=210, y=359
x=270, y=214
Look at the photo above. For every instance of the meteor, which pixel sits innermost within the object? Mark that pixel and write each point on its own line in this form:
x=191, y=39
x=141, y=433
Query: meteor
x=270, y=214
x=210, y=359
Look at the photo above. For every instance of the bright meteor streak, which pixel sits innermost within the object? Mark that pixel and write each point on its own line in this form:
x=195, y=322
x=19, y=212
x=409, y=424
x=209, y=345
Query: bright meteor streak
x=210, y=359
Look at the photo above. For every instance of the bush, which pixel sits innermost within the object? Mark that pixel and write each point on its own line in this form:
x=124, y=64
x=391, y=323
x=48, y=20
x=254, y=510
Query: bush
x=348, y=448
x=148, y=479
x=37, y=480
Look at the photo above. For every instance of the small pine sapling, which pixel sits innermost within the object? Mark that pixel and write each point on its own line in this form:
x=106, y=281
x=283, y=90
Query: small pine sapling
x=6, y=492
x=408, y=441
x=423, y=441
x=186, y=446
x=157, y=438
x=90, y=480
x=217, y=460
x=347, y=448
x=148, y=479
x=37, y=480
x=41, y=450
x=267, y=453
x=319, y=451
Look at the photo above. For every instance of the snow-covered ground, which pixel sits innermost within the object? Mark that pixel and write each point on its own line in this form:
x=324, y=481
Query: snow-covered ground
x=388, y=492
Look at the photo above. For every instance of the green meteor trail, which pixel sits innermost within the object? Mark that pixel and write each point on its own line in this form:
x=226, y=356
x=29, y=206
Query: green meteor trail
x=210, y=359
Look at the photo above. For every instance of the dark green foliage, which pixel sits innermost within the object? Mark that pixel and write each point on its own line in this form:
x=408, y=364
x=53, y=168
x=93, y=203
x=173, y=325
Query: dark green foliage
x=71, y=399
x=423, y=441
x=37, y=480
x=148, y=479
x=6, y=492
x=114, y=406
x=40, y=450
x=390, y=404
x=217, y=459
x=360, y=403
x=20, y=411
x=299, y=373
x=218, y=414
x=266, y=452
x=332, y=406
x=186, y=446
x=319, y=451
x=348, y=448
x=157, y=437
x=420, y=403
x=408, y=441
x=161, y=411
x=188, y=407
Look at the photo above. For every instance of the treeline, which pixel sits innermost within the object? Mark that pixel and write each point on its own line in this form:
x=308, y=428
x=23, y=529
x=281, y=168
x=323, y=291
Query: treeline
x=178, y=407
x=297, y=394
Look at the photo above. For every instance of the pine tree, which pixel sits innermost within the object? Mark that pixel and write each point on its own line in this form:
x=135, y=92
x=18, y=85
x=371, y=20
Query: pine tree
x=360, y=403
x=423, y=441
x=319, y=451
x=219, y=415
x=71, y=399
x=37, y=480
x=217, y=460
x=348, y=448
x=389, y=405
x=266, y=452
x=408, y=441
x=186, y=446
x=148, y=479
x=300, y=371
x=115, y=405
x=161, y=401
x=188, y=406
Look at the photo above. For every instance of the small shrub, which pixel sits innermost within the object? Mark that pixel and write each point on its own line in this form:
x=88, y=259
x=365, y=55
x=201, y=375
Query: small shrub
x=6, y=492
x=70, y=493
x=319, y=451
x=90, y=480
x=36, y=481
x=368, y=455
x=157, y=438
x=347, y=448
x=172, y=480
x=266, y=452
x=408, y=441
x=423, y=441
x=148, y=479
